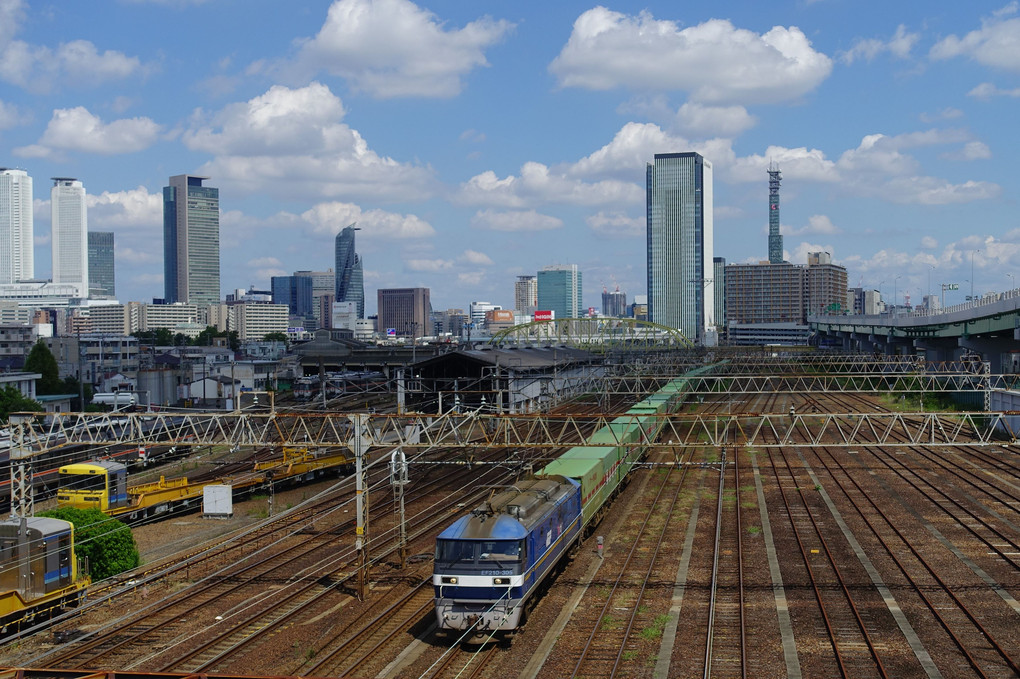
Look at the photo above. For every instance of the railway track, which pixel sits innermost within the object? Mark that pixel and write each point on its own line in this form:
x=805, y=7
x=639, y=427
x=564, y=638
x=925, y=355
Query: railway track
x=297, y=529
x=614, y=627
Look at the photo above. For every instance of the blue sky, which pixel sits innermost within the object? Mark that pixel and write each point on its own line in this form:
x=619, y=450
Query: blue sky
x=475, y=141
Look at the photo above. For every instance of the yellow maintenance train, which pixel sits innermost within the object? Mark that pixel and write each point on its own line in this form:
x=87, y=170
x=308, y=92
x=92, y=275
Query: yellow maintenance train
x=102, y=484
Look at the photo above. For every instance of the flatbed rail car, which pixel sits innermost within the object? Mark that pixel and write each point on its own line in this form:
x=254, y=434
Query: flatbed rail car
x=39, y=572
x=531, y=528
x=98, y=484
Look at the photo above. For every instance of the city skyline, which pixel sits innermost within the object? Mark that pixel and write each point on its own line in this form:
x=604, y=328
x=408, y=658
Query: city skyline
x=498, y=140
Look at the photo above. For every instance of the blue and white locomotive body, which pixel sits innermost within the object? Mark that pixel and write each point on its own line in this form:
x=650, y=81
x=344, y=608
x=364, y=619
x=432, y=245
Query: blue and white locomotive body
x=489, y=563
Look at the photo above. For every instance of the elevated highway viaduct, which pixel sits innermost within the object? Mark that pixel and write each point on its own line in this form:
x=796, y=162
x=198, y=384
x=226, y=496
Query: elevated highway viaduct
x=988, y=327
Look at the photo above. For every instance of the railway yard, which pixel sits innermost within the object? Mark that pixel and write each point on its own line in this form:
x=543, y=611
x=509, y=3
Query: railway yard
x=778, y=555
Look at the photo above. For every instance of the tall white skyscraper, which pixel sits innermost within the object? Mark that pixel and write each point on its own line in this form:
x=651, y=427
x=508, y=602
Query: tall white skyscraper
x=17, y=261
x=70, y=241
x=681, y=293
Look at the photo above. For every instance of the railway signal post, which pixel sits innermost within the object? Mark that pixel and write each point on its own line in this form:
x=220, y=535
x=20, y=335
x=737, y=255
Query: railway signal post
x=398, y=478
x=361, y=494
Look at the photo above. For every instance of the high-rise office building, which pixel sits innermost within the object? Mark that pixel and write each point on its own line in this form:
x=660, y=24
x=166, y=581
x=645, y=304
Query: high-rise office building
x=17, y=259
x=69, y=234
x=526, y=294
x=719, y=284
x=405, y=312
x=775, y=238
x=102, y=280
x=191, y=241
x=559, y=291
x=323, y=286
x=350, y=279
x=614, y=303
x=679, y=218
x=295, y=292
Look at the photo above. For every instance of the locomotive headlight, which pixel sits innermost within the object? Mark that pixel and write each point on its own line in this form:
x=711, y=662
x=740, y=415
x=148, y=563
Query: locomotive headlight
x=448, y=580
x=501, y=581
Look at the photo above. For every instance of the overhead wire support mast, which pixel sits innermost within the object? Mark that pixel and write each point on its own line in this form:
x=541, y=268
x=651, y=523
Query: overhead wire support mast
x=474, y=430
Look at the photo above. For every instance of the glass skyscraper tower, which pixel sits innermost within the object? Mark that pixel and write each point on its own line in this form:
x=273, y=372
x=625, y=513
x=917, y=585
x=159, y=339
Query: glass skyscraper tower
x=559, y=291
x=191, y=241
x=17, y=229
x=102, y=282
x=679, y=230
x=350, y=280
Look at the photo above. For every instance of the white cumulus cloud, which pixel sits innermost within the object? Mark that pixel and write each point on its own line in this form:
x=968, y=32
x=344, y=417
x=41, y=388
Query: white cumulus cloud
x=476, y=258
x=78, y=63
x=616, y=224
x=714, y=61
x=877, y=167
x=376, y=225
x=988, y=90
x=706, y=121
x=995, y=44
x=291, y=142
x=11, y=116
x=132, y=208
x=76, y=129
x=537, y=183
x=394, y=48
x=515, y=220
x=817, y=225
x=899, y=45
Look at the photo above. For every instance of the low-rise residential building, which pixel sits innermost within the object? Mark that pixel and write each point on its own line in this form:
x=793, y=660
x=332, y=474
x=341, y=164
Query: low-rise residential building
x=15, y=343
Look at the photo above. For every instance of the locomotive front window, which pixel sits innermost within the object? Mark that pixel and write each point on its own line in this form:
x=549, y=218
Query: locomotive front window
x=82, y=482
x=487, y=552
x=499, y=552
x=454, y=551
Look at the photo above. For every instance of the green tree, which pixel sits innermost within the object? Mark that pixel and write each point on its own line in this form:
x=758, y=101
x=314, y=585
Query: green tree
x=72, y=386
x=13, y=401
x=205, y=338
x=40, y=360
x=106, y=542
x=275, y=337
x=161, y=337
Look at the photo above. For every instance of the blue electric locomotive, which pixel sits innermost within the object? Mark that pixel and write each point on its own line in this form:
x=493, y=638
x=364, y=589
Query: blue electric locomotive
x=489, y=563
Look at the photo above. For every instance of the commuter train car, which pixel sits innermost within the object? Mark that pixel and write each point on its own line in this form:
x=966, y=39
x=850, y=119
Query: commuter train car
x=39, y=573
x=490, y=562
x=480, y=596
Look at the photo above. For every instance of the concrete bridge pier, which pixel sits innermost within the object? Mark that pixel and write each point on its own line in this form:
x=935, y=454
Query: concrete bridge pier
x=990, y=348
x=937, y=350
x=863, y=342
x=898, y=346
